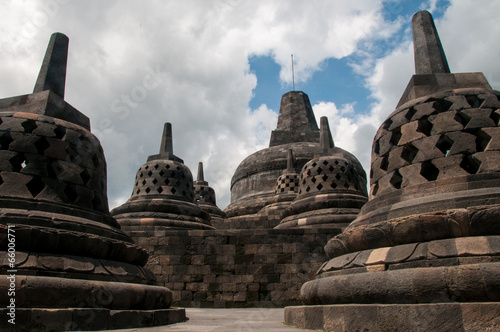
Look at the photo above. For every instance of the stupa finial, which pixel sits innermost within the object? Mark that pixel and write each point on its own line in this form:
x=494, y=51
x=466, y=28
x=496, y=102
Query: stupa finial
x=200, y=172
x=325, y=135
x=290, y=162
x=428, y=51
x=167, y=146
x=52, y=74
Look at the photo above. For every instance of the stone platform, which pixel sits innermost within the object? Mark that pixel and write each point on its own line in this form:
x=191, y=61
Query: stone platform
x=481, y=316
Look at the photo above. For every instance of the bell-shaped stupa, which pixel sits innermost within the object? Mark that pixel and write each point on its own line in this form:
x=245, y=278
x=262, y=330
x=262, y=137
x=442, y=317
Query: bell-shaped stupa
x=70, y=266
x=163, y=195
x=332, y=188
x=204, y=196
x=285, y=191
x=423, y=255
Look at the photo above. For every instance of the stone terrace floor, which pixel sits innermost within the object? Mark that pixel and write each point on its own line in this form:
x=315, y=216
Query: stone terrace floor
x=228, y=320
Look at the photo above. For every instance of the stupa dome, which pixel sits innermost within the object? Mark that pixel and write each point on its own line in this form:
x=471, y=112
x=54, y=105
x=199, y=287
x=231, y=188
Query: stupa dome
x=332, y=188
x=163, y=195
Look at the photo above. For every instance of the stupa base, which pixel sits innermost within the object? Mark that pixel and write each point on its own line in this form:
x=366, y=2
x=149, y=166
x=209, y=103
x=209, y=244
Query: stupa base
x=87, y=319
x=479, y=316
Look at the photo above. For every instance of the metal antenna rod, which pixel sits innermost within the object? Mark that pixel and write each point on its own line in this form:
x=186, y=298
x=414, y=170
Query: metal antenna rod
x=293, y=77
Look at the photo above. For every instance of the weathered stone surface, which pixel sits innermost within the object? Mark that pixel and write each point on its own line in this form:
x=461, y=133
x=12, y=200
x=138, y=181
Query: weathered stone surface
x=73, y=258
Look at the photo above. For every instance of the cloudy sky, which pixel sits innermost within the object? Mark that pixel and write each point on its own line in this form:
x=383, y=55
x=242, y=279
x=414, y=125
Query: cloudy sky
x=217, y=69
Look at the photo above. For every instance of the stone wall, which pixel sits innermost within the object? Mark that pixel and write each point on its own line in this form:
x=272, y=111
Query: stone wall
x=234, y=268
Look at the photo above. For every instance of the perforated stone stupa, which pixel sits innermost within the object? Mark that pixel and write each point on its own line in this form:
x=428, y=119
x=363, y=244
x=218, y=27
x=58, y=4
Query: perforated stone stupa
x=423, y=255
x=332, y=188
x=163, y=195
x=204, y=196
x=74, y=268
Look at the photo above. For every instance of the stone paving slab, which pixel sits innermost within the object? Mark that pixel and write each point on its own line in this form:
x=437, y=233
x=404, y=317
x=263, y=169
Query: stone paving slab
x=228, y=320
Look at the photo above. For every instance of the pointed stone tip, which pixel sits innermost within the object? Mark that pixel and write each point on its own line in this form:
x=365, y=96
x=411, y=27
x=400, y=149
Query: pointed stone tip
x=52, y=74
x=200, y=172
x=167, y=147
x=290, y=162
x=325, y=135
x=428, y=50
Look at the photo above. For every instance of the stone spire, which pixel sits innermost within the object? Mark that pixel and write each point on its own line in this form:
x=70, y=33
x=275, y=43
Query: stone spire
x=325, y=135
x=167, y=146
x=200, y=178
x=428, y=51
x=52, y=74
x=290, y=162
x=296, y=121
x=432, y=74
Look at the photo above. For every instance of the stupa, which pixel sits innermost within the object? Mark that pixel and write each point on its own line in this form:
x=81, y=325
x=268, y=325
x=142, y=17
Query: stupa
x=285, y=191
x=72, y=267
x=204, y=196
x=423, y=255
x=163, y=195
x=332, y=188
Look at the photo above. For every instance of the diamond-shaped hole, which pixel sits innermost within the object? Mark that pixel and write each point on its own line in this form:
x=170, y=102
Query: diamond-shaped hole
x=5, y=140
x=470, y=164
x=482, y=140
x=424, y=126
x=409, y=152
x=325, y=162
x=60, y=131
x=462, y=118
x=173, y=191
x=473, y=101
x=85, y=176
x=396, y=180
x=346, y=185
x=333, y=185
x=384, y=165
x=96, y=203
x=429, y=171
x=71, y=193
x=155, y=181
x=1, y=180
x=444, y=144
x=338, y=177
x=387, y=124
x=396, y=136
x=157, y=166
x=167, y=182
x=35, y=186
x=41, y=145
x=376, y=147
x=29, y=126
x=161, y=173
x=17, y=162
x=411, y=112
x=319, y=186
x=324, y=177
x=95, y=161
x=159, y=190
x=147, y=190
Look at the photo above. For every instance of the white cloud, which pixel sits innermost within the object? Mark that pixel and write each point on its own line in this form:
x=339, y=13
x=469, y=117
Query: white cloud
x=202, y=50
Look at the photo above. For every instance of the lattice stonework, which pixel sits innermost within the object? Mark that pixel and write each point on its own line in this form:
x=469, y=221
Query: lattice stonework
x=287, y=183
x=53, y=160
x=204, y=194
x=437, y=138
x=330, y=174
x=164, y=177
